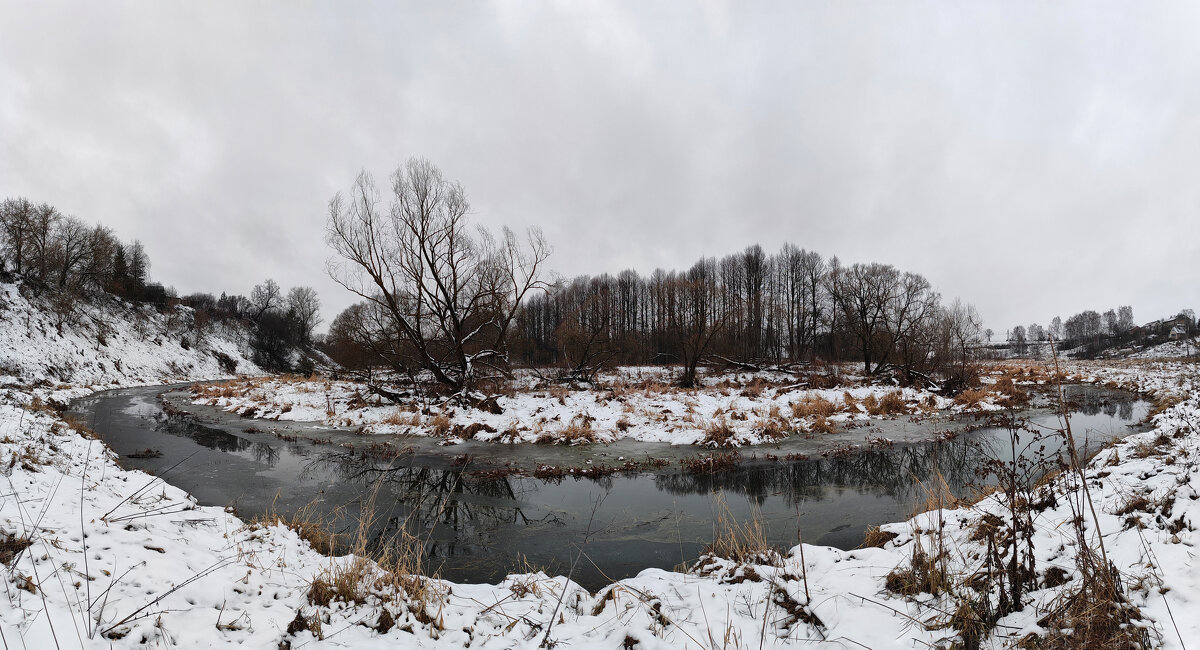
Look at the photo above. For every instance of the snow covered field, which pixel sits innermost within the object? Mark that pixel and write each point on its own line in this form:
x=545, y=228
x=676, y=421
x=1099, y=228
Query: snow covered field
x=98, y=556
x=730, y=409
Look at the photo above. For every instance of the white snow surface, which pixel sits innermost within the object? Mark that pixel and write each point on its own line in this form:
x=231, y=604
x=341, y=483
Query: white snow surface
x=628, y=403
x=107, y=343
x=119, y=552
x=1170, y=350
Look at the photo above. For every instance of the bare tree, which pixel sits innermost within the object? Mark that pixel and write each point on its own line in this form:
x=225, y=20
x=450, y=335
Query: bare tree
x=16, y=220
x=863, y=294
x=139, y=268
x=1110, y=323
x=452, y=294
x=69, y=248
x=265, y=297
x=964, y=328
x=695, y=315
x=1016, y=339
x=1124, y=319
x=304, y=309
x=43, y=221
x=584, y=333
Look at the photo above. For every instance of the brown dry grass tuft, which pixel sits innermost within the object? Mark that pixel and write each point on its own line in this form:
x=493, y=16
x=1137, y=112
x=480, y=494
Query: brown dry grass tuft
x=820, y=425
x=925, y=573
x=1095, y=615
x=305, y=522
x=813, y=406
x=402, y=417
x=439, y=425
x=740, y=541
x=891, y=404
x=772, y=429
x=390, y=571
x=11, y=546
x=876, y=538
x=971, y=397
x=718, y=433
x=1011, y=394
x=80, y=426
x=755, y=388
x=578, y=431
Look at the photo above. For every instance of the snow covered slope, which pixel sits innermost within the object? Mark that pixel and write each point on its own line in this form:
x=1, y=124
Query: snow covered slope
x=109, y=342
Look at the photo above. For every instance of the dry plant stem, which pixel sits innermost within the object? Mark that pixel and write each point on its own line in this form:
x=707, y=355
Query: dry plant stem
x=1062, y=406
x=150, y=483
x=87, y=577
x=803, y=564
x=586, y=534
x=218, y=565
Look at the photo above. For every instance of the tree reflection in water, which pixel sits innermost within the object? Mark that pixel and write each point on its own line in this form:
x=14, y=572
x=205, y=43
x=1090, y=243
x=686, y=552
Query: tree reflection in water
x=894, y=471
x=451, y=510
x=477, y=525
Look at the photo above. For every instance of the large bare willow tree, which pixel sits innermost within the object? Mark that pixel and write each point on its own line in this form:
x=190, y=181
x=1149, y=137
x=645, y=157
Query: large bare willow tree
x=447, y=292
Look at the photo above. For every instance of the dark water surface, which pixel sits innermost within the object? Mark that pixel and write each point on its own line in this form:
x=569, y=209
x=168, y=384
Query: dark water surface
x=479, y=524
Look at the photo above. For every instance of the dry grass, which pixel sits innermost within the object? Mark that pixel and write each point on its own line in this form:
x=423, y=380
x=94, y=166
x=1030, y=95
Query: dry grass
x=305, y=522
x=820, y=424
x=814, y=407
x=892, y=403
x=1164, y=403
x=1011, y=394
x=938, y=495
x=718, y=433
x=80, y=426
x=578, y=431
x=755, y=388
x=740, y=541
x=11, y=546
x=439, y=425
x=771, y=429
x=391, y=571
x=402, y=417
x=876, y=538
x=971, y=397
x=927, y=570
x=228, y=389
x=924, y=574
x=1095, y=615
x=712, y=463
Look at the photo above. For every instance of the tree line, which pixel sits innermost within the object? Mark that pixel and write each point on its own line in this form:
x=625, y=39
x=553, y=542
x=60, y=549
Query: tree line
x=1090, y=331
x=462, y=303
x=62, y=253
x=68, y=260
x=752, y=310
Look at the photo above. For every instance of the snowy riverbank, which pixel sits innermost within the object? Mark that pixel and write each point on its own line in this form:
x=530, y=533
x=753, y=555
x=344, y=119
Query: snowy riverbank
x=116, y=557
x=729, y=409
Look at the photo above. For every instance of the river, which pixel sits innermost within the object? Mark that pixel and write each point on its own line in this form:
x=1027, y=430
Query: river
x=480, y=521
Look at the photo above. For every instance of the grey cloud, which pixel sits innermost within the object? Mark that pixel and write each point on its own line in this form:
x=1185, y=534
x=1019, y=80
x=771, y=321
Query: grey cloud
x=1033, y=159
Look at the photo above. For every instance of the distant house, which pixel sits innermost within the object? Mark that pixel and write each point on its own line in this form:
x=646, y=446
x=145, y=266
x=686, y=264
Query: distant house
x=1169, y=327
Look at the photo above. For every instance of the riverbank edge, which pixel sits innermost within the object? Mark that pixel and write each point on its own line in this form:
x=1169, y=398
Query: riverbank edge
x=275, y=558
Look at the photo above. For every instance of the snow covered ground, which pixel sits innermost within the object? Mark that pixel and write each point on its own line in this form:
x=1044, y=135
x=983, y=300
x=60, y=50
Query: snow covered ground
x=110, y=343
x=730, y=409
x=118, y=558
x=1186, y=348
x=98, y=556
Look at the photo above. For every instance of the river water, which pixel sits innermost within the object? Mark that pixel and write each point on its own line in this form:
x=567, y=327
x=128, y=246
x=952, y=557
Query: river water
x=479, y=521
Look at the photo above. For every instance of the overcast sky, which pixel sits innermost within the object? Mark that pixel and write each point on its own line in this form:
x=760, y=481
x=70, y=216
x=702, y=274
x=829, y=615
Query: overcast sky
x=1032, y=158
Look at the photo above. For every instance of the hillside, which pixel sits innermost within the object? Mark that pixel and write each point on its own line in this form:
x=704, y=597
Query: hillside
x=108, y=342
